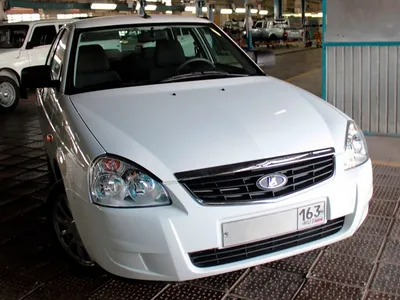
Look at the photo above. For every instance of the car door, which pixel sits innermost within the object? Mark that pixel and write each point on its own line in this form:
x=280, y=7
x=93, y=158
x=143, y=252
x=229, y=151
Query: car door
x=39, y=43
x=46, y=96
x=256, y=31
x=59, y=123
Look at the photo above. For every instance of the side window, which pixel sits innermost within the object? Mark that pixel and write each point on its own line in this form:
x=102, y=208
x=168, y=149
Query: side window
x=57, y=60
x=185, y=31
x=218, y=48
x=43, y=35
x=258, y=25
x=177, y=31
x=188, y=42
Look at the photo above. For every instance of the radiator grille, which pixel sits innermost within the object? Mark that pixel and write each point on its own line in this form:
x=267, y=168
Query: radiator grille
x=233, y=184
x=216, y=257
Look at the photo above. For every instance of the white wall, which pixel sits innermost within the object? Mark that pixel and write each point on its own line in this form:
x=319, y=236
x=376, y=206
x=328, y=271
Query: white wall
x=363, y=20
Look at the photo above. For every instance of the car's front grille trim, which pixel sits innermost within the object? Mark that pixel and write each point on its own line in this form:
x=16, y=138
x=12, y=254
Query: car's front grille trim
x=215, y=257
x=236, y=184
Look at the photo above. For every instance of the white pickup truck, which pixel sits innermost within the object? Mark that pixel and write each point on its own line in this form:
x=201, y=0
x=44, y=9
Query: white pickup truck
x=272, y=30
x=22, y=44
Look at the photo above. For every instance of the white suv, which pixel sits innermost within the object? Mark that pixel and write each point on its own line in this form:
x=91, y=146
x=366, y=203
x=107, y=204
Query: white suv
x=22, y=44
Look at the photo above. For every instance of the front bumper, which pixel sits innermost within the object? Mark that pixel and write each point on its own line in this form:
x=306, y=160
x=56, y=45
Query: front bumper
x=153, y=243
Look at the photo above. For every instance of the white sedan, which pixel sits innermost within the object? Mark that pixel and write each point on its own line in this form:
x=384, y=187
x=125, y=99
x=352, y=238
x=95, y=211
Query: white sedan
x=174, y=163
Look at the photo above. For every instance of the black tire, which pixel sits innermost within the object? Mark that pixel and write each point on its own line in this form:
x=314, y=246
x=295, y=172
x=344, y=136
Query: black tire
x=53, y=177
x=273, y=37
x=9, y=86
x=57, y=192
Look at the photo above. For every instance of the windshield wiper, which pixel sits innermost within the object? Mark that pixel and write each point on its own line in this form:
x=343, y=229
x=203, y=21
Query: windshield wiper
x=205, y=74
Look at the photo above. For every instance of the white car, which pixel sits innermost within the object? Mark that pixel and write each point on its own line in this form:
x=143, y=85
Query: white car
x=172, y=168
x=24, y=44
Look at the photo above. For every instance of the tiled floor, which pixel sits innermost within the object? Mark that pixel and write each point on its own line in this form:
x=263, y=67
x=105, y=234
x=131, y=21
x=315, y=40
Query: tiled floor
x=366, y=266
x=32, y=267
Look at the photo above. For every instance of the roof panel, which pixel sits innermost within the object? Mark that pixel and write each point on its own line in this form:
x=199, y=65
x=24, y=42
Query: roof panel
x=135, y=19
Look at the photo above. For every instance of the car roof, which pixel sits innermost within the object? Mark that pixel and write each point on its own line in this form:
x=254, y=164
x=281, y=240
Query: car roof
x=46, y=21
x=136, y=19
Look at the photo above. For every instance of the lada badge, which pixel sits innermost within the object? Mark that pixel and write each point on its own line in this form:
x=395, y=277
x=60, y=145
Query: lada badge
x=272, y=182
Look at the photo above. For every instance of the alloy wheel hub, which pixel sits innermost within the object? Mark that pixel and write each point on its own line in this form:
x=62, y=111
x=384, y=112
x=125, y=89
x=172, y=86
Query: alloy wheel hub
x=68, y=234
x=7, y=94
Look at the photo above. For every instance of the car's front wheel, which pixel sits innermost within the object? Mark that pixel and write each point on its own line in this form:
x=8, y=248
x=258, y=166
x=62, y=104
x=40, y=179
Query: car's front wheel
x=9, y=94
x=64, y=226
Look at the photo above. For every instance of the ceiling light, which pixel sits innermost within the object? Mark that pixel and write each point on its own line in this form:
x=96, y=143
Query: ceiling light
x=254, y=11
x=263, y=12
x=189, y=8
x=103, y=6
x=203, y=9
x=225, y=11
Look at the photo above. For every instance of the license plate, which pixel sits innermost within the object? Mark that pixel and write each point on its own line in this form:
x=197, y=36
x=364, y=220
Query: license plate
x=268, y=226
x=311, y=215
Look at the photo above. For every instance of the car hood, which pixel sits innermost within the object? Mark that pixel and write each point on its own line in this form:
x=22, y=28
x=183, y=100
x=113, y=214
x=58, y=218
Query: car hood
x=175, y=127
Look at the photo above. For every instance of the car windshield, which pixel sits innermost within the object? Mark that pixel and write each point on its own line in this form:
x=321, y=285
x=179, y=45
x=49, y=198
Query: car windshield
x=129, y=56
x=12, y=36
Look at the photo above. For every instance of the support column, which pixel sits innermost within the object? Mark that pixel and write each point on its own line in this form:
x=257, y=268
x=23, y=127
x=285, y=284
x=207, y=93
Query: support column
x=210, y=12
x=199, y=8
x=303, y=19
x=3, y=16
x=278, y=9
x=249, y=41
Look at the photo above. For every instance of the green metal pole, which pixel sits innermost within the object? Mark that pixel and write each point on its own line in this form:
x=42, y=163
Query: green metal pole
x=248, y=29
x=278, y=9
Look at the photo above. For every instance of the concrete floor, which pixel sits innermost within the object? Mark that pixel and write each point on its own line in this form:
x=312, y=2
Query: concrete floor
x=365, y=266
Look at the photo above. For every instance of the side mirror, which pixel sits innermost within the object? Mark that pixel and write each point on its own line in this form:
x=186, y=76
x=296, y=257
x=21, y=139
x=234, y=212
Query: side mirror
x=263, y=57
x=37, y=77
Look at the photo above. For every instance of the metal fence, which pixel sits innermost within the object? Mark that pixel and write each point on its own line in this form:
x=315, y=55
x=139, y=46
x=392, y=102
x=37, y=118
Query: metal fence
x=364, y=82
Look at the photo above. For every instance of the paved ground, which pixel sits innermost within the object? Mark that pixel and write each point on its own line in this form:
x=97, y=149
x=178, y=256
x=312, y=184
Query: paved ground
x=293, y=47
x=32, y=268
x=293, y=64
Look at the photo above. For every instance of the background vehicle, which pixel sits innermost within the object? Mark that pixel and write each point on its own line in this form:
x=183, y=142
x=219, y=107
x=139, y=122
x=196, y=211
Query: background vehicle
x=234, y=29
x=22, y=44
x=27, y=44
x=272, y=30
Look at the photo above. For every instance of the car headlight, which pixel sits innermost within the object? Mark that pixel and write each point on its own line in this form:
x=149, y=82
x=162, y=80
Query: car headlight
x=356, y=152
x=116, y=183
